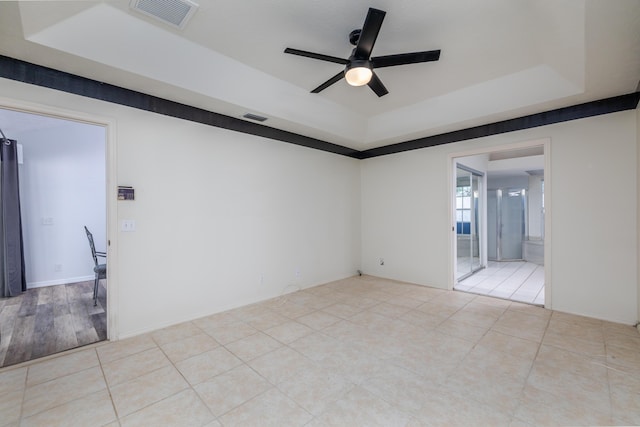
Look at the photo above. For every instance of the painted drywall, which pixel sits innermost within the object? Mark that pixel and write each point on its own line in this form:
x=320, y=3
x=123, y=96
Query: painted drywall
x=225, y=219
x=405, y=214
x=222, y=219
x=62, y=183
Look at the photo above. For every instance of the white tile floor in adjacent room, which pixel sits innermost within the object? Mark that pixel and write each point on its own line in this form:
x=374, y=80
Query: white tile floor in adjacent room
x=515, y=280
x=357, y=352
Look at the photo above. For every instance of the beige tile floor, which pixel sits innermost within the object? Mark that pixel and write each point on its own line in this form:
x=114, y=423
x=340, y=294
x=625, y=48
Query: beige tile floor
x=357, y=352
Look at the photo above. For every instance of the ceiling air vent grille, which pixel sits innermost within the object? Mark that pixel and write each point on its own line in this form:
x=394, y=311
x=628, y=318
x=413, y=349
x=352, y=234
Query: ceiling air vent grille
x=255, y=117
x=173, y=12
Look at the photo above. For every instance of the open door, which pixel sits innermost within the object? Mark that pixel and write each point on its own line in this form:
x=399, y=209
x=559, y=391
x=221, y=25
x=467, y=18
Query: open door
x=468, y=222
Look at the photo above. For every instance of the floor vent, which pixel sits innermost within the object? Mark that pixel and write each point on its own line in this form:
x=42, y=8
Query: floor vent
x=254, y=117
x=172, y=12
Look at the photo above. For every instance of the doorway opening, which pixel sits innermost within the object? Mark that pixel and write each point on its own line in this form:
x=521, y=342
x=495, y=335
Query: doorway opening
x=62, y=186
x=499, y=240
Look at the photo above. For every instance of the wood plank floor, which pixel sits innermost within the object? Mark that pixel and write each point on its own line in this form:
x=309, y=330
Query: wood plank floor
x=48, y=320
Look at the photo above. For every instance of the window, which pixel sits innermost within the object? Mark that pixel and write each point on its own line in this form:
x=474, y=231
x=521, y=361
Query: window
x=463, y=209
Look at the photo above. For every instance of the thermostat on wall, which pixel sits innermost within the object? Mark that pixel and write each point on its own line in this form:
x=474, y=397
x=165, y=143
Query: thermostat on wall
x=125, y=193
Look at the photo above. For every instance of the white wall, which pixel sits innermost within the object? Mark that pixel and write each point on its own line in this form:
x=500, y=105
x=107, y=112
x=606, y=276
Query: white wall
x=216, y=211
x=62, y=179
x=405, y=215
x=223, y=219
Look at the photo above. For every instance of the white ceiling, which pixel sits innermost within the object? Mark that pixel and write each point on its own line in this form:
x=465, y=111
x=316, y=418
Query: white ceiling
x=500, y=58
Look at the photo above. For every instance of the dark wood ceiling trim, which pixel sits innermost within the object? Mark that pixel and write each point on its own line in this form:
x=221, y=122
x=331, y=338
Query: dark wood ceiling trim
x=15, y=69
x=581, y=111
x=26, y=72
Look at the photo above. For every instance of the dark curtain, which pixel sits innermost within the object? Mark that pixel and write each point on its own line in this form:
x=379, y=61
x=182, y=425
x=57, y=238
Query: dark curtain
x=12, y=277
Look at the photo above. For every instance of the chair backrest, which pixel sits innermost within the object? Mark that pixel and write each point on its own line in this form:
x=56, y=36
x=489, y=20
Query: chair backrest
x=92, y=245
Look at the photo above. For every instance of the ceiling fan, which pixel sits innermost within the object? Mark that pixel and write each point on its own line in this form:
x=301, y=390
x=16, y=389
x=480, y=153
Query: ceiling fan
x=359, y=67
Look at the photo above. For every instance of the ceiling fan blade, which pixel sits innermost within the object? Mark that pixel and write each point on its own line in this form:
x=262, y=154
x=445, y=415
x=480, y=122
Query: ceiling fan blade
x=405, y=58
x=329, y=82
x=319, y=56
x=369, y=33
x=376, y=85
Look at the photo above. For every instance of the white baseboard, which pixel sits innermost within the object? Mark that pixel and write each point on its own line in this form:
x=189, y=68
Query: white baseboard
x=65, y=281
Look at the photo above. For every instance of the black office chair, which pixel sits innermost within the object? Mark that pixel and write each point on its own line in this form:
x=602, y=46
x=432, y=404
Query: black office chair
x=100, y=269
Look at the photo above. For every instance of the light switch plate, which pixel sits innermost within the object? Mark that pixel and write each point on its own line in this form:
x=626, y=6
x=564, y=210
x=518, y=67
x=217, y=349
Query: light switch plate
x=128, y=225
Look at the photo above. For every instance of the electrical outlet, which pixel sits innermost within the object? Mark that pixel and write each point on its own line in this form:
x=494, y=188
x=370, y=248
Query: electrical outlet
x=381, y=260
x=297, y=273
x=47, y=221
x=57, y=268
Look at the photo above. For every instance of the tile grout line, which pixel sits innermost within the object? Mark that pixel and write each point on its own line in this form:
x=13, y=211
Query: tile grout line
x=118, y=417
x=606, y=352
x=55, y=379
x=522, y=283
x=533, y=362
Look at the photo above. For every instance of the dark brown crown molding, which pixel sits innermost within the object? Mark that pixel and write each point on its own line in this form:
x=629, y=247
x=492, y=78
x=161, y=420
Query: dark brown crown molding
x=26, y=72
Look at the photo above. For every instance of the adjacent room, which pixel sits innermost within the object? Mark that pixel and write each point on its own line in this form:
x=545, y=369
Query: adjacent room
x=500, y=217
x=61, y=170
x=321, y=213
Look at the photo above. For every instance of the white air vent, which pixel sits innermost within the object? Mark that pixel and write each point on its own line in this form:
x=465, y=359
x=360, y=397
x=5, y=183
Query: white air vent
x=173, y=12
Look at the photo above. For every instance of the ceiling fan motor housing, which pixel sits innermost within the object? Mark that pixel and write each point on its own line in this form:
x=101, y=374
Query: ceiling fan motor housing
x=354, y=36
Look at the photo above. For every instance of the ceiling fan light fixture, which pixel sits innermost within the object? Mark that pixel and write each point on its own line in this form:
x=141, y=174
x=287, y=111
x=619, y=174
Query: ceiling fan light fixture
x=358, y=73
x=359, y=67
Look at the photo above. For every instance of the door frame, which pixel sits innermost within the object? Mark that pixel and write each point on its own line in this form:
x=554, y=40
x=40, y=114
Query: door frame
x=451, y=169
x=109, y=125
